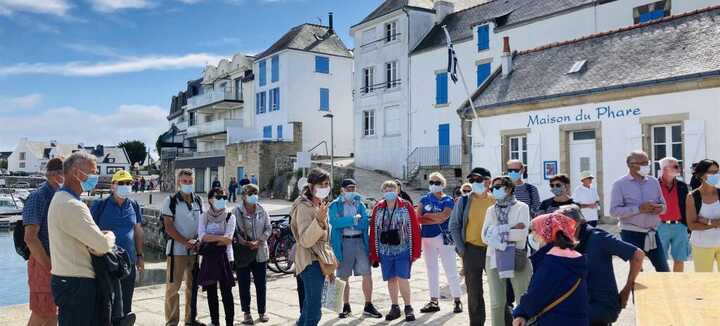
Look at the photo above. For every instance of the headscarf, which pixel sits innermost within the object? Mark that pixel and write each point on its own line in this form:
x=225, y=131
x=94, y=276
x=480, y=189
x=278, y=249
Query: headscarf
x=547, y=226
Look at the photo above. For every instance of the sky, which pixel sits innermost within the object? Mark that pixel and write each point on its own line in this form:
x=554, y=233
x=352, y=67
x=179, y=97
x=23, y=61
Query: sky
x=103, y=71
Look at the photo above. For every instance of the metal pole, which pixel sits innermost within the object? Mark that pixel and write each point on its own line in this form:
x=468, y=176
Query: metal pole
x=332, y=150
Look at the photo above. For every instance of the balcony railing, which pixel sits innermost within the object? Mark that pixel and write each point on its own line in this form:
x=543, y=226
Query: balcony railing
x=213, y=127
x=216, y=96
x=213, y=153
x=433, y=156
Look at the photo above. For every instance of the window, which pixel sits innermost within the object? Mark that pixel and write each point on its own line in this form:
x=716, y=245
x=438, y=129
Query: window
x=324, y=99
x=279, y=132
x=368, y=79
x=651, y=11
x=667, y=141
x=391, y=75
x=517, y=148
x=191, y=119
x=274, y=97
x=441, y=88
x=392, y=121
x=483, y=72
x=368, y=123
x=275, y=69
x=112, y=169
x=260, y=103
x=22, y=156
x=21, y=165
x=267, y=132
x=238, y=89
x=322, y=65
x=262, y=79
x=483, y=37
x=368, y=37
x=391, y=32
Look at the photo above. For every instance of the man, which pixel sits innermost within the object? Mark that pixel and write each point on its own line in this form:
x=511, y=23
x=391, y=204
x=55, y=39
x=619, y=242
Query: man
x=181, y=213
x=244, y=181
x=74, y=236
x=349, y=238
x=216, y=183
x=637, y=201
x=524, y=192
x=599, y=247
x=122, y=216
x=43, y=311
x=466, y=224
x=253, y=179
x=232, y=189
x=587, y=198
x=672, y=230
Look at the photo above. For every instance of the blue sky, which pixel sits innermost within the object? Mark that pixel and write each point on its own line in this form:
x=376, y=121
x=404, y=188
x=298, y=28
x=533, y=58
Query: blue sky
x=103, y=71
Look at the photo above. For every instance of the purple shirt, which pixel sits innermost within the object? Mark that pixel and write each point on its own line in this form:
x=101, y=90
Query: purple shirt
x=627, y=196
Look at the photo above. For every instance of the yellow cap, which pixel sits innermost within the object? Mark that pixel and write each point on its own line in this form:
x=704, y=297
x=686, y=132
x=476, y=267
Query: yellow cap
x=122, y=175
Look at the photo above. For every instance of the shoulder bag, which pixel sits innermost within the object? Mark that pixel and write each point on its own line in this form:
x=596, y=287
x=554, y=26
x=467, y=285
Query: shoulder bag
x=552, y=305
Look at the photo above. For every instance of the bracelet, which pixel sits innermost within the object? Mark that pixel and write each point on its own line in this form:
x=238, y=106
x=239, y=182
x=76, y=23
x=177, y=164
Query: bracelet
x=139, y=255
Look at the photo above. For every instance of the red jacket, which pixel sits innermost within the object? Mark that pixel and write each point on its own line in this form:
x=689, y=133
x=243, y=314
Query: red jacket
x=415, y=235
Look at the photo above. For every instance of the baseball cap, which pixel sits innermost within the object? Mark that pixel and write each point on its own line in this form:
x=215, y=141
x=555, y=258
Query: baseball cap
x=348, y=182
x=479, y=172
x=586, y=174
x=122, y=175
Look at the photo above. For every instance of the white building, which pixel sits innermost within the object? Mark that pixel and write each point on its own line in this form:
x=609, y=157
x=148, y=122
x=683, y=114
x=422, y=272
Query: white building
x=32, y=156
x=585, y=104
x=303, y=76
x=110, y=159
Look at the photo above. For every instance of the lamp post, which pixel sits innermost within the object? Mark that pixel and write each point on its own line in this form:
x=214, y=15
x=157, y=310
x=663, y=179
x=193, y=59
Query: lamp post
x=332, y=148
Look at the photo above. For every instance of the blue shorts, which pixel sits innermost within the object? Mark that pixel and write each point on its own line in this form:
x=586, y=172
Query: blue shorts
x=675, y=238
x=395, y=266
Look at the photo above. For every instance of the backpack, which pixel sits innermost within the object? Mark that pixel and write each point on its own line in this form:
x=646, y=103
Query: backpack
x=96, y=215
x=173, y=208
x=19, y=239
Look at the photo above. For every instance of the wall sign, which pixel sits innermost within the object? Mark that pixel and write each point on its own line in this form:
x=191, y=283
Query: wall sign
x=550, y=169
x=598, y=113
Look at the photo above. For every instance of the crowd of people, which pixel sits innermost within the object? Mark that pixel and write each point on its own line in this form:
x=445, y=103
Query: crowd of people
x=546, y=262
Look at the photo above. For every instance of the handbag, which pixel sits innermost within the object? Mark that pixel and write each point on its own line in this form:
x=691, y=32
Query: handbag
x=534, y=319
x=242, y=254
x=326, y=257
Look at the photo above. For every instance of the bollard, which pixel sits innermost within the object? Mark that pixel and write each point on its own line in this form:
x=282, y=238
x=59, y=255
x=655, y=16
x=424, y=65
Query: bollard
x=150, y=199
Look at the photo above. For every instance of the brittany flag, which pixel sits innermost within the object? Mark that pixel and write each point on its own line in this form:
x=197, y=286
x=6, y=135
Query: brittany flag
x=452, y=59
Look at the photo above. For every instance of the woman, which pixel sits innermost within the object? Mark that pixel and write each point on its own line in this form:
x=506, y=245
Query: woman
x=505, y=231
x=434, y=213
x=401, y=193
x=215, y=231
x=395, y=245
x=703, y=217
x=253, y=231
x=560, y=187
x=309, y=226
x=557, y=294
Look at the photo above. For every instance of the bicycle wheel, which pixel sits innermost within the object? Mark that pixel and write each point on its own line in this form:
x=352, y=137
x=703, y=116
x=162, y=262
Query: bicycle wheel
x=282, y=255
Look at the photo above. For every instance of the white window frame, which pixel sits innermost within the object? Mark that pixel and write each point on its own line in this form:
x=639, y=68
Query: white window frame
x=390, y=31
x=668, y=143
x=368, y=123
x=391, y=74
x=22, y=156
x=521, y=148
x=368, y=80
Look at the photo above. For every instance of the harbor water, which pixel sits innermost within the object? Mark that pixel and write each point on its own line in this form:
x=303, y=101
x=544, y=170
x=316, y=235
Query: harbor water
x=13, y=272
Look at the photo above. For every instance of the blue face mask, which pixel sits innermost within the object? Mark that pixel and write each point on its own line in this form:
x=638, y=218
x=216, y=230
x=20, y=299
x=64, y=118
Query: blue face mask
x=123, y=191
x=186, y=189
x=390, y=195
x=252, y=199
x=478, y=187
x=713, y=179
x=220, y=203
x=89, y=183
x=350, y=195
x=514, y=176
x=499, y=194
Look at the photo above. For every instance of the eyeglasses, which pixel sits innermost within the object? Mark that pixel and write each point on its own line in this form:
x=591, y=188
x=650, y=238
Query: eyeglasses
x=476, y=179
x=498, y=187
x=435, y=183
x=221, y=197
x=124, y=183
x=675, y=167
x=465, y=191
x=556, y=185
x=514, y=170
x=640, y=163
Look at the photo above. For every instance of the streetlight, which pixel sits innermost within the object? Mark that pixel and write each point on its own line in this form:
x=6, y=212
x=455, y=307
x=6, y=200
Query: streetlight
x=332, y=148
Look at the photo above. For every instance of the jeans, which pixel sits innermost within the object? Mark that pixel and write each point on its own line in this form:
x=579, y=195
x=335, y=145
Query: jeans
x=474, y=264
x=214, y=305
x=259, y=272
x=232, y=196
x=313, y=280
x=657, y=256
x=128, y=288
x=300, y=291
x=75, y=298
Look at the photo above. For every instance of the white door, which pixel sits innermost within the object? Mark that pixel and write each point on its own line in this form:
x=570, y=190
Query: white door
x=582, y=155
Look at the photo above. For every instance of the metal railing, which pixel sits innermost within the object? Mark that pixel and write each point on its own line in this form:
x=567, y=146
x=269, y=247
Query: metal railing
x=212, y=153
x=383, y=85
x=383, y=39
x=211, y=97
x=433, y=156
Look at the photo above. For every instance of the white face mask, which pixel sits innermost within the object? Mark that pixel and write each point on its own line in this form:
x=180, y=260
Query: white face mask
x=322, y=193
x=644, y=170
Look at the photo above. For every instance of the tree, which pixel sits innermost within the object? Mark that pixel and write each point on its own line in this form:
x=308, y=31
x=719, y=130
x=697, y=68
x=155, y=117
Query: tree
x=3, y=164
x=136, y=150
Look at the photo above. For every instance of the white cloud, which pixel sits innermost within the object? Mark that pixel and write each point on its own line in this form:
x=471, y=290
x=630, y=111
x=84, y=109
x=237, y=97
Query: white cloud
x=51, y=7
x=72, y=125
x=29, y=101
x=108, y=6
x=99, y=50
x=126, y=65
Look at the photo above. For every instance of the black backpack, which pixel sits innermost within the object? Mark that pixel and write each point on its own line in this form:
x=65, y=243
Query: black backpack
x=19, y=238
x=173, y=207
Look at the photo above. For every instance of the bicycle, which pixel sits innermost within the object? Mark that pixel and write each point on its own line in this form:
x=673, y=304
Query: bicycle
x=280, y=242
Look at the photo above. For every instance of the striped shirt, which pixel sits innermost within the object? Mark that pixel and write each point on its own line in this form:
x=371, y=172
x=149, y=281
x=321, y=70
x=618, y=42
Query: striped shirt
x=528, y=194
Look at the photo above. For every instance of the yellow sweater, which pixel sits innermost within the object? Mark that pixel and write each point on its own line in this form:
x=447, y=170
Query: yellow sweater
x=72, y=231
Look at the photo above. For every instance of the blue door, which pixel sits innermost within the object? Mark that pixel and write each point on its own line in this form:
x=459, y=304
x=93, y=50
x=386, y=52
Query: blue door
x=240, y=173
x=444, y=144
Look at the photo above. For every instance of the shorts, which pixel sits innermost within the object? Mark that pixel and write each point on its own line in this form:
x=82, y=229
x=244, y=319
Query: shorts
x=41, y=298
x=395, y=266
x=355, y=258
x=675, y=238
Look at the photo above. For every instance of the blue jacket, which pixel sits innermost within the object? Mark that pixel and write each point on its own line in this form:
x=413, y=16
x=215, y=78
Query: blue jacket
x=338, y=222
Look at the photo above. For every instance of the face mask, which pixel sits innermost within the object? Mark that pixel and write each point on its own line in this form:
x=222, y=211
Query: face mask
x=499, y=194
x=514, y=176
x=390, y=195
x=644, y=170
x=322, y=193
x=123, y=191
x=478, y=187
x=89, y=183
x=434, y=188
x=186, y=189
x=350, y=195
x=713, y=179
x=465, y=194
x=219, y=203
x=252, y=199
x=557, y=191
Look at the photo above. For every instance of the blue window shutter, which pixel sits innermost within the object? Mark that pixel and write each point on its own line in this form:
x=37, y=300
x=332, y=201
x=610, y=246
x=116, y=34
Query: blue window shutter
x=262, y=79
x=277, y=99
x=483, y=72
x=267, y=132
x=483, y=37
x=257, y=103
x=322, y=64
x=324, y=99
x=279, y=132
x=275, y=69
x=263, y=102
x=441, y=88
x=652, y=15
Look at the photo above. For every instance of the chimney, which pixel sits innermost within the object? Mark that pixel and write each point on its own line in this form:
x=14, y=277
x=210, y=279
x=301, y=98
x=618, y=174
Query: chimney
x=506, y=59
x=330, y=22
x=442, y=9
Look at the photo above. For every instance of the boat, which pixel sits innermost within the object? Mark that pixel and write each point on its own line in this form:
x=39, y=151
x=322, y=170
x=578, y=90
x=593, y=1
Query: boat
x=10, y=210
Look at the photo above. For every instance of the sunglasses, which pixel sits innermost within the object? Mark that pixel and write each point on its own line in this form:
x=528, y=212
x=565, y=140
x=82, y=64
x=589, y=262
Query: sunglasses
x=514, y=170
x=221, y=197
x=476, y=179
x=556, y=185
x=498, y=187
x=465, y=191
x=435, y=183
x=124, y=183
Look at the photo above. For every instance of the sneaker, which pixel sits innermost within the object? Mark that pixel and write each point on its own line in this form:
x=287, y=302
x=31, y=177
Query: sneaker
x=409, y=313
x=264, y=318
x=431, y=306
x=394, y=313
x=248, y=320
x=458, y=307
x=346, y=311
x=370, y=311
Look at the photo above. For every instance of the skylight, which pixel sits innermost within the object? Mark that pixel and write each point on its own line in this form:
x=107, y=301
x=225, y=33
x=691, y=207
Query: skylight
x=577, y=67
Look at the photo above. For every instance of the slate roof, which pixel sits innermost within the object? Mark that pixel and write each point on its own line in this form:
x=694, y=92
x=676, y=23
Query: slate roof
x=503, y=12
x=105, y=154
x=388, y=6
x=311, y=38
x=679, y=47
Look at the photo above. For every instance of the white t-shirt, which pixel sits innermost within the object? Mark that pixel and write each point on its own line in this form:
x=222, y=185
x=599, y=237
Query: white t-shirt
x=584, y=195
x=707, y=238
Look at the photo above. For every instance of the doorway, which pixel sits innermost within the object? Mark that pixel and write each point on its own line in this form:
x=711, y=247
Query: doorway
x=200, y=180
x=444, y=144
x=582, y=155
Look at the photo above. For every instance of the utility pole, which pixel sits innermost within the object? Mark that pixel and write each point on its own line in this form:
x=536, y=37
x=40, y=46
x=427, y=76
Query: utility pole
x=332, y=147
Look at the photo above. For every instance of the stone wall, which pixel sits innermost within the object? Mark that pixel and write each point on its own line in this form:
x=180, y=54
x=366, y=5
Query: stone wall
x=151, y=225
x=450, y=173
x=167, y=176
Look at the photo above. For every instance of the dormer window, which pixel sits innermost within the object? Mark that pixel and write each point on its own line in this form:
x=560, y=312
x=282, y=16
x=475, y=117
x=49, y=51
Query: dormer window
x=577, y=67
